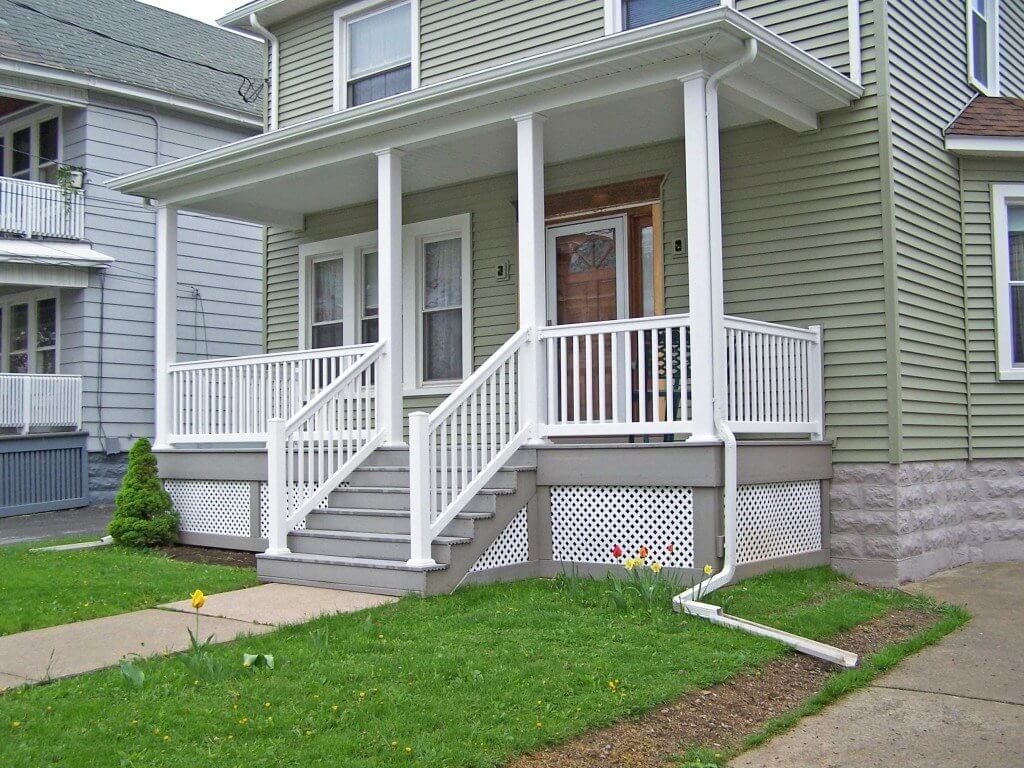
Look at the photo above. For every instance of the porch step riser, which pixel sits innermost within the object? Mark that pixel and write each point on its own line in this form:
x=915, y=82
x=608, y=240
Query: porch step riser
x=373, y=550
x=396, y=478
x=380, y=580
x=348, y=499
x=357, y=523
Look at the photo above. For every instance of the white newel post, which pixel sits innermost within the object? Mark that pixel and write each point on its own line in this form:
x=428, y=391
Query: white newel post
x=532, y=264
x=419, y=490
x=389, y=279
x=165, y=307
x=698, y=233
x=276, y=492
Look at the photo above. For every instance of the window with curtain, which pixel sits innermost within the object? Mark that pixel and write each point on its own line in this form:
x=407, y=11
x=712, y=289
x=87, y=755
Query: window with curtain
x=639, y=13
x=1015, y=218
x=982, y=43
x=328, y=304
x=441, y=310
x=378, y=54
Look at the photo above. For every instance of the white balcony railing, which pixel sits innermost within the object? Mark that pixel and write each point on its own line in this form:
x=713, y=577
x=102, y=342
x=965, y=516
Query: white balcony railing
x=233, y=399
x=34, y=209
x=40, y=401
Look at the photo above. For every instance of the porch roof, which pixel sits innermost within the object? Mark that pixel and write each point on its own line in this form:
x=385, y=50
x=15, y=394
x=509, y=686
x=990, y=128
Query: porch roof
x=41, y=263
x=614, y=92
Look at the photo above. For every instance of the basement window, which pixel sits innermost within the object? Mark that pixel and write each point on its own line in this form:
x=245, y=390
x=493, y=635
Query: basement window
x=375, y=53
x=983, y=45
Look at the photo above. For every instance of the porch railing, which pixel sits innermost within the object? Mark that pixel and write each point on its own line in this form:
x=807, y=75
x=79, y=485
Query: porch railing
x=773, y=378
x=37, y=401
x=312, y=452
x=233, y=399
x=35, y=209
x=620, y=377
x=457, y=449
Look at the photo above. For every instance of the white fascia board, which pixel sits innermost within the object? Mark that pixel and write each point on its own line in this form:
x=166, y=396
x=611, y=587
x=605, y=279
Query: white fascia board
x=450, y=97
x=88, y=82
x=985, y=146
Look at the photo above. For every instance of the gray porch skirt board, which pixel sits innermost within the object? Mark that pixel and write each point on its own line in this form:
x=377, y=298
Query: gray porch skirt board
x=43, y=472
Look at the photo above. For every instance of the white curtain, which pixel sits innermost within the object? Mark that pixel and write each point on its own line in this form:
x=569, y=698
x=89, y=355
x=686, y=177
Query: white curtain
x=380, y=41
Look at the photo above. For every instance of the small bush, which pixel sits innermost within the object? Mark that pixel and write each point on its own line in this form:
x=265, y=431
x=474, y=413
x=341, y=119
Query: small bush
x=143, y=514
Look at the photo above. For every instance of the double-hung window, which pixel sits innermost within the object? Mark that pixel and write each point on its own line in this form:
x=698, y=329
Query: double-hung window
x=1008, y=270
x=630, y=14
x=28, y=334
x=338, y=285
x=374, y=53
x=983, y=45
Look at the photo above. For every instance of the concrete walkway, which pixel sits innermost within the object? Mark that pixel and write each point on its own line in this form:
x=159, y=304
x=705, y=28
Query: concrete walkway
x=959, y=703
x=71, y=649
x=54, y=525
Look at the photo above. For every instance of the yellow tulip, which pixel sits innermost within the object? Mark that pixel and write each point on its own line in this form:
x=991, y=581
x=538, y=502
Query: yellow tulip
x=655, y=567
x=707, y=570
x=198, y=599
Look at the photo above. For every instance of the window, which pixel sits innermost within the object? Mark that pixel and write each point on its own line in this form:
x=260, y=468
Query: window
x=30, y=147
x=374, y=55
x=983, y=45
x=48, y=150
x=328, y=327
x=1008, y=269
x=338, y=283
x=21, y=147
x=371, y=299
x=630, y=14
x=29, y=334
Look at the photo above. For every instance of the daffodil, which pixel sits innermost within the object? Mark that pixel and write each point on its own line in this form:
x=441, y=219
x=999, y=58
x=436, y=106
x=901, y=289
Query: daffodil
x=198, y=599
x=707, y=569
x=630, y=564
x=655, y=567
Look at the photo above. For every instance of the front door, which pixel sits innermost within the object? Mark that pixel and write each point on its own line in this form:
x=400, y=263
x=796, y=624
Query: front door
x=588, y=267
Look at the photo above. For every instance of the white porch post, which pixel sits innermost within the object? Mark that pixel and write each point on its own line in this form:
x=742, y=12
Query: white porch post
x=389, y=280
x=698, y=233
x=165, y=307
x=532, y=263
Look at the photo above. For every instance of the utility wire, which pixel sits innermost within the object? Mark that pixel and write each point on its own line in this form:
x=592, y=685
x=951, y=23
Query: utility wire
x=249, y=90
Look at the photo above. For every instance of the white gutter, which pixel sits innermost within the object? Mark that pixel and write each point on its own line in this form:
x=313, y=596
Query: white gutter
x=275, y=67
x=690, y=600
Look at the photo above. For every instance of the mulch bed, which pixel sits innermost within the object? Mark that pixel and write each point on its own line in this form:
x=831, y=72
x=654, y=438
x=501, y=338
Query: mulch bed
x=720, y=717
x=209, y=555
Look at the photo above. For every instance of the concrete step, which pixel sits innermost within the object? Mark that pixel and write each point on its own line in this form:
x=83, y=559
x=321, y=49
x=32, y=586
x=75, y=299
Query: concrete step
x=398, y=477
x=387, y=577
x=373, y=497
x=356, y=520
x=373, y=546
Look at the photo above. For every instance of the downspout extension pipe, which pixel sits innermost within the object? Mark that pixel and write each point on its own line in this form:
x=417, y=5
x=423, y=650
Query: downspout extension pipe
x=275, y=73
x=689, y=601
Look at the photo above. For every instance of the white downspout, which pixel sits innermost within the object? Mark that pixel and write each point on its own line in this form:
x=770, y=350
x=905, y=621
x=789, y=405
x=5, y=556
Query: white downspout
x=270, y=37
x=689, y=601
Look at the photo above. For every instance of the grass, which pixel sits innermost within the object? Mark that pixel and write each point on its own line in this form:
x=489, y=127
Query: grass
x=470, y=679
x=41, y=589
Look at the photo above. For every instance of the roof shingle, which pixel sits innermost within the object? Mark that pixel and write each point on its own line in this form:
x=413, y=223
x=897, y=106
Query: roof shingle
x=990, y=116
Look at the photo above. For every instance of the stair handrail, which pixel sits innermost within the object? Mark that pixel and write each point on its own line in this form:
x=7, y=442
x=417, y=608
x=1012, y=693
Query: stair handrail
x=321, y=445
x=444, y=478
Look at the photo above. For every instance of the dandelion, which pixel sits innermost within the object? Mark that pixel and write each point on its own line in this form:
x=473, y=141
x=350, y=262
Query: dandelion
x=266, y=705
x=707, y=569
x=334, y=708
x=167, y=738
x=408, y=750
x=16, y=724
x=540, y=725
x=394, y=743
x=613, y=684
x=655, y=567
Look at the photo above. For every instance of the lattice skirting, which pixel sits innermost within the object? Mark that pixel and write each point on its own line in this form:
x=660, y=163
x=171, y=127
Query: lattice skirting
x=512, y=547
x=587, y=522
x=219, y=507
x=778, y=520
x=296, y=493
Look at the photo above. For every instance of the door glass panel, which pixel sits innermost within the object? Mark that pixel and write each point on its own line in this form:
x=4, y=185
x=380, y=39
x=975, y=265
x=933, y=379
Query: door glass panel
x=328, y=304
x=442, y=345
x=17, y=340
x=585, y=274
x=46, y=336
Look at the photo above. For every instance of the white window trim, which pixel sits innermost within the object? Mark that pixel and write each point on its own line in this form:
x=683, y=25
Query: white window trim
x=613, y=17
x=350, y=250
x=1003, y=196
x=31, y=120
x=413, y=236
x=31, y=298
x=993, y=88
x=343, y=16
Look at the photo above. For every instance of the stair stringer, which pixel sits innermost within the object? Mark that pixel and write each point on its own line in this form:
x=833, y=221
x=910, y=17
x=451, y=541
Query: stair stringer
x=485, y=532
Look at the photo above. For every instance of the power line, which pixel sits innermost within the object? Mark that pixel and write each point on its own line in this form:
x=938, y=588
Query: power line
x=249, y=90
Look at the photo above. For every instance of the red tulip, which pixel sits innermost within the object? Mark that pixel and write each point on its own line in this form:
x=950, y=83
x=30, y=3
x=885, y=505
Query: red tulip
x=670, y=548
x=617, y=552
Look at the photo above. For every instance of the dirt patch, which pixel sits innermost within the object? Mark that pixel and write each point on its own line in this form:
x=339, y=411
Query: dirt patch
x=723, y=715
x=209, y=555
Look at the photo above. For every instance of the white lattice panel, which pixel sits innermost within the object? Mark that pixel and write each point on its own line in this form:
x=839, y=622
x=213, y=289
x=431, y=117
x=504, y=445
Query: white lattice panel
x=512, y=547
x=211, y=506
x=777, y=520
x=295, y=493
x=587, y=522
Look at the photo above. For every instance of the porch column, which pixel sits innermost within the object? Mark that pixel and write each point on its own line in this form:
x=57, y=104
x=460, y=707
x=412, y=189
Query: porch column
x=698, y=233
x=165, y=308
x=389, y=291
x=532, y=263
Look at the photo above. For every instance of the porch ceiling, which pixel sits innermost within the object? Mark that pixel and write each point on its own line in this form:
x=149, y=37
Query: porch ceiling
x=614, y=93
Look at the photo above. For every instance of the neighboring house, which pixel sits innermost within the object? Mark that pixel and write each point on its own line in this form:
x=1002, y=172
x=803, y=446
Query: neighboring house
x=531, y=267
x=85, y=96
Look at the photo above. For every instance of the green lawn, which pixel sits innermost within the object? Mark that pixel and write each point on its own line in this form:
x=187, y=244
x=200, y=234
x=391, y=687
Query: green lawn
x=41, y=589
x=469, y=679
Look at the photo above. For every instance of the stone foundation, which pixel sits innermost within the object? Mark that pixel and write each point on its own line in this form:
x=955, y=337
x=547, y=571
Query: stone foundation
x=105, y=474
x=893, y=524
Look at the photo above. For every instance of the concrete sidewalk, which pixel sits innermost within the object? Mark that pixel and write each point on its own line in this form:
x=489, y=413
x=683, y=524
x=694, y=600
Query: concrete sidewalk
x=959, y=703
x=91, y=521
x=71, y=649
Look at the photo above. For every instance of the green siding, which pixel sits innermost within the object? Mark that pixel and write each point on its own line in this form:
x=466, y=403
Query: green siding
x=458, y=37
x=817, y=26
x=997, y=407
x=306, y=45
x=1011, y=49
x=927, y=55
